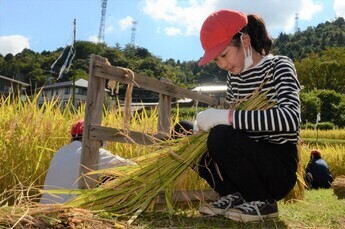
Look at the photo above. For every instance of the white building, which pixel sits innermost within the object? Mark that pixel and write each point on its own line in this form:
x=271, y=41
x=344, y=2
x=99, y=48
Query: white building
x=64, y=92
x=217, y=91
x=10, y=86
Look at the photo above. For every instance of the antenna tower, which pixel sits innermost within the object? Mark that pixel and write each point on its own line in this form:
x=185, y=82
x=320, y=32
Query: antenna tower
x=296, y=23
x=134, y=23
x=102, y=25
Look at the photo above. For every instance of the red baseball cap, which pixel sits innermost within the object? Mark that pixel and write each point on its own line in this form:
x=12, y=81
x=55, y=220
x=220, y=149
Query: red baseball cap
x=218, y=30
x=315, y=152
x=77, y=129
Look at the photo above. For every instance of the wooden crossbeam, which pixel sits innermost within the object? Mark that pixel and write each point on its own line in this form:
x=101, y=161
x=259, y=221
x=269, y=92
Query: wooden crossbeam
x=116, y=73
x=102, y=133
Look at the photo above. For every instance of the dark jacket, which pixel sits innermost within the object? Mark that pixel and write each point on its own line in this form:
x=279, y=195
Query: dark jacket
x=318, y=174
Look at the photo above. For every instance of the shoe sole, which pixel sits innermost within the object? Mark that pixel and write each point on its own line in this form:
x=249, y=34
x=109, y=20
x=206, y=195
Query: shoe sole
x=236, y=216
x=206, y=210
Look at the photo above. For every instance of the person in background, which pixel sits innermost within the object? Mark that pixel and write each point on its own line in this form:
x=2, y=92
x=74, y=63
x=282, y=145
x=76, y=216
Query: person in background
x=63, y=172
x=317, y=172
x=252, y=154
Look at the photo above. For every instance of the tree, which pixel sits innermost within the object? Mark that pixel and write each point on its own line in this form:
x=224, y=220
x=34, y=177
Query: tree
x=310, y=106
x=330, y=101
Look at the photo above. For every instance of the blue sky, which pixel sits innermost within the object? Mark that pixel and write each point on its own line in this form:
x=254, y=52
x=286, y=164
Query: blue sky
x=167, y=28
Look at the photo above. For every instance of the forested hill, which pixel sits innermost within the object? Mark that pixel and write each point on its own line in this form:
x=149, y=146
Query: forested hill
x=314, y=39
x=35, y=68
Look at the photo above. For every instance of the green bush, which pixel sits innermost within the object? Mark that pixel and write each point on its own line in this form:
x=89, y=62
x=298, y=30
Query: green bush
x=308, y=125
x=186, y=113
x=325, y=126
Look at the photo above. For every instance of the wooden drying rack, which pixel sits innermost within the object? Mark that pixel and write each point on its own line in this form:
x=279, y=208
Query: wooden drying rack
x=100, y=70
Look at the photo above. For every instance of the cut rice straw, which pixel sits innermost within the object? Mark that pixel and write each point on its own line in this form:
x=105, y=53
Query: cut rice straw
x=135, y=191
x=132, y=192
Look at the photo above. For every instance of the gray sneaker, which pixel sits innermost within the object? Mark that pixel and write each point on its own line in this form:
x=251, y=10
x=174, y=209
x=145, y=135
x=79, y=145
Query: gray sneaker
x=253, y=211
x=220, y=206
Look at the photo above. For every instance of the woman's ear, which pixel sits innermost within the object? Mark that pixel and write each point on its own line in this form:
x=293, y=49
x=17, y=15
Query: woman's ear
x=246, y=40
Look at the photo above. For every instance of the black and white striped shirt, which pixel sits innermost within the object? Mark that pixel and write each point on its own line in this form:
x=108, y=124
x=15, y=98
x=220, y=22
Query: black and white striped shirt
x=280, y=124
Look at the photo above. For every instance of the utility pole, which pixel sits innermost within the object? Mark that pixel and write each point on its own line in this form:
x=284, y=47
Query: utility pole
x=74, y=51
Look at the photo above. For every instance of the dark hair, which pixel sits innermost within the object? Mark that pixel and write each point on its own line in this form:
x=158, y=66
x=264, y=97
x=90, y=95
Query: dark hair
x=315, y=156
x=76, y=138
x=256, y=29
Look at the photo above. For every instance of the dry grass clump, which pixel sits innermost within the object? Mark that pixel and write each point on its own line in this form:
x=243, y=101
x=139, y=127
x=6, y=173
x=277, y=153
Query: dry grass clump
x=338, y=186
x=26, y=213
x=297, y=192
x=52, y=216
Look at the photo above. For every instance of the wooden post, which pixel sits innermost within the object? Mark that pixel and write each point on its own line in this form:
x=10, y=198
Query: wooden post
x=164, y=112
x=93, y=115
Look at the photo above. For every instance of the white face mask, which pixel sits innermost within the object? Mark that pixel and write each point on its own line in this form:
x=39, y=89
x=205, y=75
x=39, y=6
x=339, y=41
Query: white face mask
x=248, y=56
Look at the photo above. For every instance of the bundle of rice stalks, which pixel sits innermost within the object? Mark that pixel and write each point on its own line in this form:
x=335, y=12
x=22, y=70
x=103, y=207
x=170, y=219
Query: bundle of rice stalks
x=338, y=186
x=135, y=187
x=297, y=192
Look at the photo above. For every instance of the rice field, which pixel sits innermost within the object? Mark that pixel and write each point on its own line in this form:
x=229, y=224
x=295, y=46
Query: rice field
x=30, y=135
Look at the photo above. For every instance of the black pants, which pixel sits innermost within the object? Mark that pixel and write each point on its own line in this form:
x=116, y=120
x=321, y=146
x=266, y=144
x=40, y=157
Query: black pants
x=258, y=170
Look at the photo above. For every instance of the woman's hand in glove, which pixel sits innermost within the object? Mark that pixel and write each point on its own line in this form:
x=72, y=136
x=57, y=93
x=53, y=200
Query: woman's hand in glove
x=212, y=117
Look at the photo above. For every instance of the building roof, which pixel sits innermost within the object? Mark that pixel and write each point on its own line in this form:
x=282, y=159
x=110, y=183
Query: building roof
x=78, y=83
x=14, y=81
x=210, y=88
x=206, y=89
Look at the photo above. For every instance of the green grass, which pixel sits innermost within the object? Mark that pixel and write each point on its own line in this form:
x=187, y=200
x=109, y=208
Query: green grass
x=319, y=209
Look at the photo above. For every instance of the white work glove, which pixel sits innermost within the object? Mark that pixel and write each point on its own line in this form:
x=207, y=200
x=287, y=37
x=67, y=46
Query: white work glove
x=211, y=117
x=195, y=127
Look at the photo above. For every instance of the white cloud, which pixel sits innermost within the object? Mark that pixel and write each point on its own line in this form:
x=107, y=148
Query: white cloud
x=172, y=31
x=13, y=44
x=126, y=22
x=339, y=8
x=308, y=9
x=93, y=38
x=189, y=15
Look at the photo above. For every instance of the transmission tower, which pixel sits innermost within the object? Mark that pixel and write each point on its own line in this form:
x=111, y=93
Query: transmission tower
x=296, y=23
x=102, y=25
x=134, y=23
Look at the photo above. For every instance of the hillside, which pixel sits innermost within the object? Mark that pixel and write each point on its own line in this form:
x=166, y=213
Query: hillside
x=314, y=39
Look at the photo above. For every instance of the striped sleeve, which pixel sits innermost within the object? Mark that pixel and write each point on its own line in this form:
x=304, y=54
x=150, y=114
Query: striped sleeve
x=281, y=120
